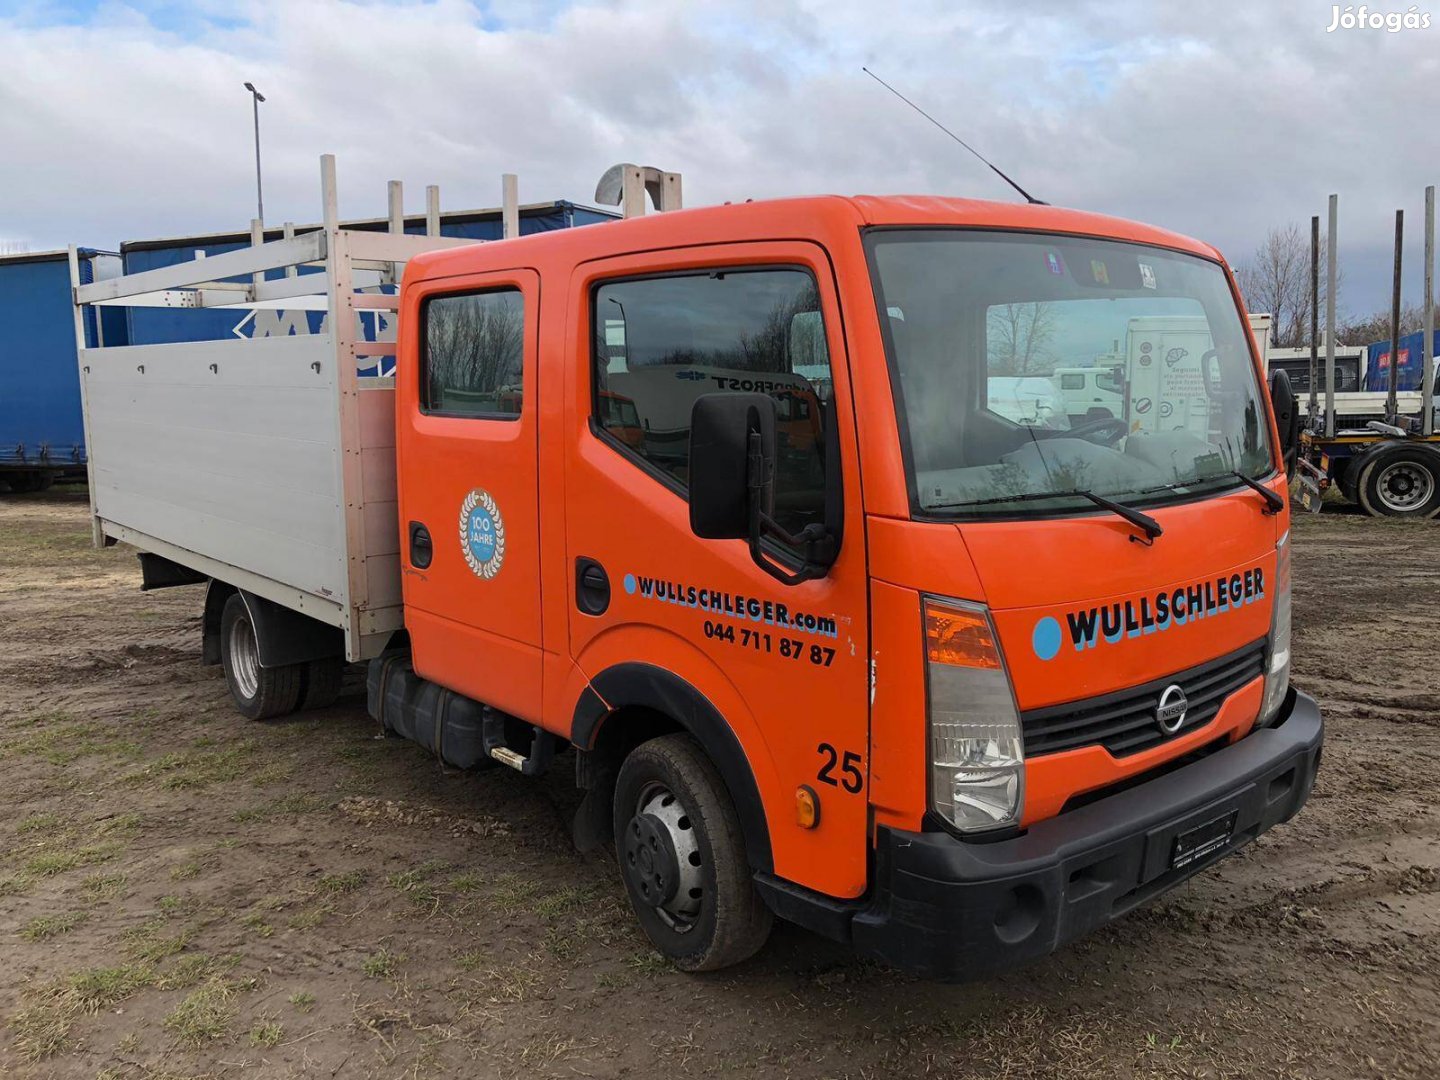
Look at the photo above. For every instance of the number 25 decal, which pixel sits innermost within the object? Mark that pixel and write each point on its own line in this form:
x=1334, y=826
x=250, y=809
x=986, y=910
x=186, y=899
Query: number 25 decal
x=851, y=779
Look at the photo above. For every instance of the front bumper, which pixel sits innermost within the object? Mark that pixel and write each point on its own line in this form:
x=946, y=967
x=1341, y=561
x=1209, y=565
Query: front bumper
x=948, y=909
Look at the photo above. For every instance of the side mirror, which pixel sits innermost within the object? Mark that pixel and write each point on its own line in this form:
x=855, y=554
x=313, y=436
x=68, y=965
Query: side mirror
x=1287, y=416
x=1210, y=366
x=724, y=431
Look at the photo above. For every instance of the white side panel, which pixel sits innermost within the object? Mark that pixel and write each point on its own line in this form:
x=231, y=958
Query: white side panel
x=224, y=448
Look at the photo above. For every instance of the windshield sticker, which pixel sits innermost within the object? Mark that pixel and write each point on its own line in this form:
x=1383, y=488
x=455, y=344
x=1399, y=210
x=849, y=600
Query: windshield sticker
x=1147, y=275
x=1102, y=275
x=1054, y=262
x=1111, y=624
x=736, y=606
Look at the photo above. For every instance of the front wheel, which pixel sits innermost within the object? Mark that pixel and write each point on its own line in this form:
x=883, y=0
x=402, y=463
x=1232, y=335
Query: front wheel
x=1401, y=482
x=682, y=855
x=259, y=692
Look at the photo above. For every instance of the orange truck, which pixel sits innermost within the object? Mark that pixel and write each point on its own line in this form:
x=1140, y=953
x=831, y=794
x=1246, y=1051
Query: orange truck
x=950, y=688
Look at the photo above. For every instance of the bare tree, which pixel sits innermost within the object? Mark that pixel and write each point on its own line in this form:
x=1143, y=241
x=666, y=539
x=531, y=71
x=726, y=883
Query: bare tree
x=1019, y=337
x=1276, y=279
x=1364, y=330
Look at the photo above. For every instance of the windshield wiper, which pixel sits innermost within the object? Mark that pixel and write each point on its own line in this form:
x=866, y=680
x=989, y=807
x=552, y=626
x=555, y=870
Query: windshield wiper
x=1273, y=503
x=1144, y=522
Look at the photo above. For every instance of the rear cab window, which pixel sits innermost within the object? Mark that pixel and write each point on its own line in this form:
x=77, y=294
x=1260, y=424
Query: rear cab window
x=472, y=354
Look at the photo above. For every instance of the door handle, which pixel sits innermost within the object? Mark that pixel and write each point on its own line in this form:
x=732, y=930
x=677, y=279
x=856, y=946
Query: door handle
x=422, y=548
x=592, y=586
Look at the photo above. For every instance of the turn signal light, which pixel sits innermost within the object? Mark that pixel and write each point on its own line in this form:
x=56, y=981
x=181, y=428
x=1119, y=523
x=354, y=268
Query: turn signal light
x=807, y=807
x=960, y=637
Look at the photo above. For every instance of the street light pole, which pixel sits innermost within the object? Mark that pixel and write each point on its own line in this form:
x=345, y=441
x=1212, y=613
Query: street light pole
x=256, y=98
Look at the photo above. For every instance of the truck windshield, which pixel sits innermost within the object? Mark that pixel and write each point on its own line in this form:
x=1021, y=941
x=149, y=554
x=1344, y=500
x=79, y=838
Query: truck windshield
x=986, y=333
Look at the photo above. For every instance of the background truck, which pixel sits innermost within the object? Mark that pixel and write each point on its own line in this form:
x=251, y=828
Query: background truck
x=952, y=689
x=41, y=428
x=1378, y=446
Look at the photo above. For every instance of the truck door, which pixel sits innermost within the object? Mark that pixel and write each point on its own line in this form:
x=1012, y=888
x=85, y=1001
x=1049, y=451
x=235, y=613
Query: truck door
x=468, y=427
x=786, y=667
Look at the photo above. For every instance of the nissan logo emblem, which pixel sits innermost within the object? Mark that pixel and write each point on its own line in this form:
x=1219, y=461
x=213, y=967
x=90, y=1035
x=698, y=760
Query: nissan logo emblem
x=1170, y=713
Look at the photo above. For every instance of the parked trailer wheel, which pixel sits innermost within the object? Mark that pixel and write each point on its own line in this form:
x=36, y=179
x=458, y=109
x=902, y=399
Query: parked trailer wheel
x=1402, y=481
x=259, y=692
x=682, y=857
x=28, y=483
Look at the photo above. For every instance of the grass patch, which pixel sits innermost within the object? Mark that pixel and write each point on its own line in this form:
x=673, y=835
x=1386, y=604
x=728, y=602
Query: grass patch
x=649, y=963
x=191, y=970
x=266, y=1033
x=100, y=886
x=562, y=901
x=67, y=740
x=418, y=883
x=194, y=771
x=14, y=885
x=149, y=942
x=45, y=927
x=381, y=964
x=50, y=863
x=256, y=921
x=42, y=1029
x=467, y=882
x=120, y=825
x=512, y=893
x=303, y=1000
x=203, y=1016
x=38, y=823
x=342, y=883
x=308, y=920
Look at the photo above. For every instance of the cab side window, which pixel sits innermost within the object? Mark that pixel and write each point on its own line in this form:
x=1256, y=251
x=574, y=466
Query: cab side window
x=662, y=342
x=472, y=354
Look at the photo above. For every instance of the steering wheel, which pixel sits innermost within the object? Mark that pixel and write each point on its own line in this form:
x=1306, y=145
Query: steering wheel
x=1106, y=431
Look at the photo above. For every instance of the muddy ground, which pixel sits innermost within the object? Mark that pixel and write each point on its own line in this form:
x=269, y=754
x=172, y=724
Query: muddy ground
x=185, y=893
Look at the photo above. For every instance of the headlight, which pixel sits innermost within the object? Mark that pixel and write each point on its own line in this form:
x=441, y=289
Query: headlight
x=1277, y=671
x=977, y=760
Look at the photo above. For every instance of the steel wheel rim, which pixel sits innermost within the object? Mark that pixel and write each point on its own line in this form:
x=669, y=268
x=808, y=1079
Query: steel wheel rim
x=244, y=658
x=1404, y=486
x=659, y=810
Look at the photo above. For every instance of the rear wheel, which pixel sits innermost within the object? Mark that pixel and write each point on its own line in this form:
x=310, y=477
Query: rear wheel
x=1403, y=481
x=259, y=692
x=322, y=682
x=682, y=856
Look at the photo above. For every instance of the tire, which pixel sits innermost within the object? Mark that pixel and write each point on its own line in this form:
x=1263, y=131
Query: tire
x=259, y=692
x=28, y=483
x=1403, y=481
x=320, y=685
x=682, y=857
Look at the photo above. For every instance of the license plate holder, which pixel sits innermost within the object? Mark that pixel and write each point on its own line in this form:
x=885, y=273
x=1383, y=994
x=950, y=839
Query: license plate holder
x=1205, y=839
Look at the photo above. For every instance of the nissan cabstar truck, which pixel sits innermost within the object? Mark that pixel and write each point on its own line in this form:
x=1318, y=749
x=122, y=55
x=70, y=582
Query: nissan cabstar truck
x=949, y=688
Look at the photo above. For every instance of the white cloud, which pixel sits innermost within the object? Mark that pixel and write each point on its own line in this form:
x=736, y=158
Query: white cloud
x=1213, y=119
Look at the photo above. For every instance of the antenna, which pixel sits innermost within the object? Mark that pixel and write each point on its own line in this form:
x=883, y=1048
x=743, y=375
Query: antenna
x=1028, y=197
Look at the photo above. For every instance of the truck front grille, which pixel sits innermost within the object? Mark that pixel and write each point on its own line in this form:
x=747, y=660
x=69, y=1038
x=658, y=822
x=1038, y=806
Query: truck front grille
x=1124, y=722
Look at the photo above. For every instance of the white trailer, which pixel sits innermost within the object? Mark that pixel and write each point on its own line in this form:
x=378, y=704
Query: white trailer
x=265, y=465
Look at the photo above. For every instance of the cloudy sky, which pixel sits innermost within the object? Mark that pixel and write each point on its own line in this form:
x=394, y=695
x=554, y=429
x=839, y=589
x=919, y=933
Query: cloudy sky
x=128, y=120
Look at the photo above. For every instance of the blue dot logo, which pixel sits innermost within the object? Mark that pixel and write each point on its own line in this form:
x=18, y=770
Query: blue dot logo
x=1046, y=638
x=630, y=584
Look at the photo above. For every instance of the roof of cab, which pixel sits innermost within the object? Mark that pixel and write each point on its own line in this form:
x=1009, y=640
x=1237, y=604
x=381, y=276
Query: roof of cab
x=792, y=219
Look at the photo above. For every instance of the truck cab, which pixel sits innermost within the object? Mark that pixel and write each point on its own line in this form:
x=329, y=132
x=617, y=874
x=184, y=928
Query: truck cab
x=951, y=688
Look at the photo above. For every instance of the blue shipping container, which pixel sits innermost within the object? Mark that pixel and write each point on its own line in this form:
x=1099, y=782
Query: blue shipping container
x=1377, y=372
x=41, y=427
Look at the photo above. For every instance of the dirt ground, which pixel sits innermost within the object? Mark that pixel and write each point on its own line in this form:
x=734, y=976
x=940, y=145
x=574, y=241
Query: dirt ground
x=185, y=893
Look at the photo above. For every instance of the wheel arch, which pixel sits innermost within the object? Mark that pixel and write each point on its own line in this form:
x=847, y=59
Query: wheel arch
x=656, y=701
x=282, y=636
